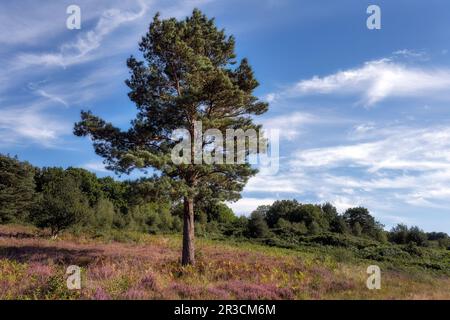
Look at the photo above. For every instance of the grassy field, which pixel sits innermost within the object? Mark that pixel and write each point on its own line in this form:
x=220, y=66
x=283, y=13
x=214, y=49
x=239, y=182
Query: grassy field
x=32, y=266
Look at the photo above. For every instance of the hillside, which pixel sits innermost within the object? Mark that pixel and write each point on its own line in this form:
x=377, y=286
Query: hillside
x=147, y=267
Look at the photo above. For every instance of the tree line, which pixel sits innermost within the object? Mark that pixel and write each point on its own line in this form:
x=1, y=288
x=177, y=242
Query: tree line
x=75, y=199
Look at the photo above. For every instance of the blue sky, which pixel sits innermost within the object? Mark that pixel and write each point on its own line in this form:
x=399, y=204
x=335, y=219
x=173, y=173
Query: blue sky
x=363, y=114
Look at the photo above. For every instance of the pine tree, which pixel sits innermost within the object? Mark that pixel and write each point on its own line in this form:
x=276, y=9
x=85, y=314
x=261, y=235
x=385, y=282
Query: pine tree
x=17, y=192
x=189, y=74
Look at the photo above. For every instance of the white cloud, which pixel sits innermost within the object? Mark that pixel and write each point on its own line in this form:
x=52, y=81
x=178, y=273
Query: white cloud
x=78, y=51
x=29, y=126
x=245, y=206
x=51, y=97
x=414, y=54
x=401, y=166
x=95, y=166
x=36, y=28
x=407, y=149
x=272, y=184
x=375, y=81
x=413, y=163
x=289, y=125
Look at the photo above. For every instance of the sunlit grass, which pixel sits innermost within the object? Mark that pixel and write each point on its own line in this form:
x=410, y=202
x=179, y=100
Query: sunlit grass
x=140, y=266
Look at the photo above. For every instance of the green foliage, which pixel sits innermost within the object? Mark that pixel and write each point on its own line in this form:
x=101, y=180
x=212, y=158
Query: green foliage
x=298, y=228
x=417, y=236
x=339, y=240
x=188, y=74
x=432, y=236
x=401, y=234
x=152, y=218
x=444, y=243
x=339, y=225
x=17, y=189
x=257, y=226
x=280, y=209
x=312, y=216
x=362, y=222
x=237, y=228
x=117, y=192
x=357, y=229
x=88, y=184
x=61, y=205
x=220, y=212
x=103, y=215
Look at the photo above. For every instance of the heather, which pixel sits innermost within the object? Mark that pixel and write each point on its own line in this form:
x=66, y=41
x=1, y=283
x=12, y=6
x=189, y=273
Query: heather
x=32, y=266
x=125, y=236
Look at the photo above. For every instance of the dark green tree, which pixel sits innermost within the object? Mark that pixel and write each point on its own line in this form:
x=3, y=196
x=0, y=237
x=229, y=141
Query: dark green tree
x=188, y=74
x=432, y=236
x=117, y=192
x=330, y=212
x=257, y=225
x=280, y=209
x=339, y=225
x=369, y=226
x=17, y=189
x=88, y=183
x=399, y=234
x=417, y=236
x=218, y=211
x=62, y=204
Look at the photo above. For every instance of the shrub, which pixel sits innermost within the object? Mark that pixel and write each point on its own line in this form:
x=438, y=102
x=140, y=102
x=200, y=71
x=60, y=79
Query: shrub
x=151, y=218
x=384, y=253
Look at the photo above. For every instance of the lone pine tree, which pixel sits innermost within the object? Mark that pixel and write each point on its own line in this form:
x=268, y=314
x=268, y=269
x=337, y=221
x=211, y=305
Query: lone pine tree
x=189, y=74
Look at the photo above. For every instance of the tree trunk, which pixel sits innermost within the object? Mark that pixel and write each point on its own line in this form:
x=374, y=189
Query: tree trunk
x=188, y=257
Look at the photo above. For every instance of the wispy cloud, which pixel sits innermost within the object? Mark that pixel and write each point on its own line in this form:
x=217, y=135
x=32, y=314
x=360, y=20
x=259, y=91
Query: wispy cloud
x=374, y=82
x=420, y=55
x=25, y=126
x=79, y=51
x=110, y=28
x=290, y=125
x=406, y=149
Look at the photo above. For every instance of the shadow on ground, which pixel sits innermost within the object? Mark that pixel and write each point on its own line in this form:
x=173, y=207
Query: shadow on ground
x=63, y=256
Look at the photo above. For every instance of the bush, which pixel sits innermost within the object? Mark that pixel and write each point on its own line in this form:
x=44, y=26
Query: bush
x=339, y=240
x=236, y=228
x=152, y=218
x=297, y=228
x=384, y=253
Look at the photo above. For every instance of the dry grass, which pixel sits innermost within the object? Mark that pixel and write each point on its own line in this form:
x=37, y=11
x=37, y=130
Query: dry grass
x=33, y=267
